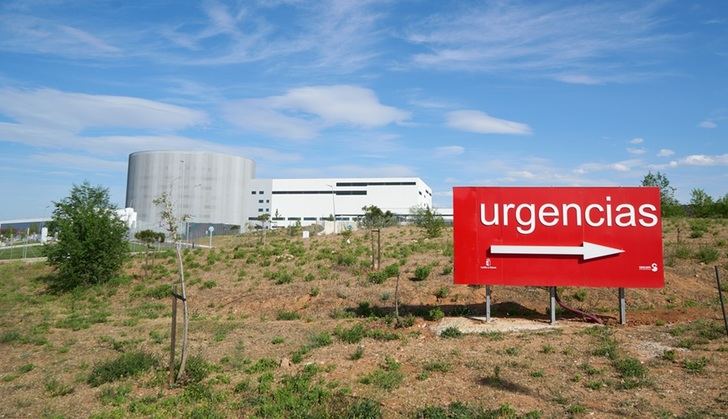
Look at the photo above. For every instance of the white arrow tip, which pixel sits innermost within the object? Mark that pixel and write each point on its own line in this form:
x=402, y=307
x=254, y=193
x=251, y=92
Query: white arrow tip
x=593, y=251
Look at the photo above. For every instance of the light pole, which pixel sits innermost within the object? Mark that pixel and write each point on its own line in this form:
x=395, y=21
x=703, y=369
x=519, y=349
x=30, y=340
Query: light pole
x=333, y=204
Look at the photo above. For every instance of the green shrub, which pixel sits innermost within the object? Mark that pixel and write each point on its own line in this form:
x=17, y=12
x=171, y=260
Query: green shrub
x=707, y=254
x=630, y=367
x=353, y=334
x=422, y=272
x=56, y=388
x=695, y=366
x=442, y=292
x=287, y=315
x=320, y=340
x=357, y=354
x=391, y=271
x=262, y=365
x=387, y=376
x=377, y=277
x=125, y=365
x=435, y=314
x=282, y=276
x=198, y=369
x=451, y=333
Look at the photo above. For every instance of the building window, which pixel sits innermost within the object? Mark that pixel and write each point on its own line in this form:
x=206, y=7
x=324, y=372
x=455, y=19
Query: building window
x=260, y=209
x=267, y=210
x=267, y=201
x=419, y=192
x=260, y=201
x=294, y=218
x=309, y=218
x=375, y=183
x=261, y=192
x=253, y=192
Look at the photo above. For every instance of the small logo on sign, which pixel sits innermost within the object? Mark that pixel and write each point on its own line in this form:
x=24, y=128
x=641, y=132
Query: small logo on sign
x=652, y=267
x=488, y=264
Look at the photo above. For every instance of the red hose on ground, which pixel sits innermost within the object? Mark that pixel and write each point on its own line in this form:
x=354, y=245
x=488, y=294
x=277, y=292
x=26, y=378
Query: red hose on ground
x=585, y=315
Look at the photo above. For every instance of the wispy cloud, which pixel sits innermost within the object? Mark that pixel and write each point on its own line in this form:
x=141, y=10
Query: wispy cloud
x=637, y=140
x=482, y=123
x=665, y=152
x=620, y=166
x=29, y=34
x=712, y=120
x=571, y=43
x=707, y=124
x=449, y=151
x=636, y=150
x=302, y=112
x=49, y=108
x=79, y=162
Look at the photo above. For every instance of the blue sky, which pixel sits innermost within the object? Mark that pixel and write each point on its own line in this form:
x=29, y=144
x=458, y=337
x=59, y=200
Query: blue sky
x=455, y=92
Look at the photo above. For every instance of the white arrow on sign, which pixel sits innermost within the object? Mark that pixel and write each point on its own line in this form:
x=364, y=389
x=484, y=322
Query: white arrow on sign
x=586, y=250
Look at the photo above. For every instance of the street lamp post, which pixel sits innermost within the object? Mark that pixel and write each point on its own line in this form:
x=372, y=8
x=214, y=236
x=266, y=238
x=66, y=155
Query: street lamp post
x=333, y=204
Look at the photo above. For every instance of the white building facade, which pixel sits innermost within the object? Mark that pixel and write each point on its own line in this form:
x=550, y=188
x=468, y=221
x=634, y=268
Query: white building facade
x=222, y=189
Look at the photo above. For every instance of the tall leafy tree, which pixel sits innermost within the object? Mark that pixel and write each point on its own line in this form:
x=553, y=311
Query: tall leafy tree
x=92, y=240
x=668, y=202
x=701, y=203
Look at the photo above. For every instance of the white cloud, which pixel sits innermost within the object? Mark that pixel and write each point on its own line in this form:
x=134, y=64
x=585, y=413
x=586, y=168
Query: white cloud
x=704, y=160
x=636, y=151
x=665, y=152
x=23, y=33
x=449, y=151
x=637, y=140
x=620, y=166
x=707, y=124
x=79, y=162
x=482, y=123
x=579, y=43
x=302, y=112
x=74, y=112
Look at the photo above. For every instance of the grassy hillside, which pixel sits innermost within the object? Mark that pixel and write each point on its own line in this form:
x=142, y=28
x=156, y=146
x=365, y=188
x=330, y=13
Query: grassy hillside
x=294, y=328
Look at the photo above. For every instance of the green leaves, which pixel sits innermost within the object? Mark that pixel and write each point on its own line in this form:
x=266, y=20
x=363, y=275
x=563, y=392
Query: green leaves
x=91, y=245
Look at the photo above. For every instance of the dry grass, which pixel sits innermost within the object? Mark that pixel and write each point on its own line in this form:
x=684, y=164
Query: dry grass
x=263, y=336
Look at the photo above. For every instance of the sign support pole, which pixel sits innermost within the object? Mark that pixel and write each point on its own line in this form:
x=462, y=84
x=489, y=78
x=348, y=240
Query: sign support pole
x=552, y=304
x=622, y=308
x=487, y=303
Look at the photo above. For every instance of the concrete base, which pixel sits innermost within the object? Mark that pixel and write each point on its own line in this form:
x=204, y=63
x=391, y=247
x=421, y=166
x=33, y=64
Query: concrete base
x=480, y=325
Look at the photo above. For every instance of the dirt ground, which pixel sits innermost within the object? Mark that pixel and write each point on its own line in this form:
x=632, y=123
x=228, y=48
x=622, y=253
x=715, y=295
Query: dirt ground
x=288, y=301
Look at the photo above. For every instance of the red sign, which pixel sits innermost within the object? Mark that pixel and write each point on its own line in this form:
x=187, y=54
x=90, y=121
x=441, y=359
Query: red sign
x=586, y=237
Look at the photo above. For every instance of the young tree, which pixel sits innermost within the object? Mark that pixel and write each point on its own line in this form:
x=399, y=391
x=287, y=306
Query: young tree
x=429, y=220
x=149, y=238
x=701, y=203
x=171, y=223
x=263, y=219
x=374, y=217
x=91, y=245
x=668, y=202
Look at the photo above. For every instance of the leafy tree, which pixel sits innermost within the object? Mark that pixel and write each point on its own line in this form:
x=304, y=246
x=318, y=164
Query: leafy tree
x=91, y=245
x=668, y=202
x=721, y=207
x=429, y=220
x=374, y=217
x=701, y=203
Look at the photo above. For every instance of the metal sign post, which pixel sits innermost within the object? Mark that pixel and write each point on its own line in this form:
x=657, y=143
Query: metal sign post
x=210, y=230
x=487, y=303
x=552, y=304
x=622, y=307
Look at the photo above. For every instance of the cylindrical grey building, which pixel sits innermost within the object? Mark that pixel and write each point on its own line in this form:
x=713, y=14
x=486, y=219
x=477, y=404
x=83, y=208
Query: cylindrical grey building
x=209, y=187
